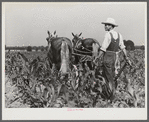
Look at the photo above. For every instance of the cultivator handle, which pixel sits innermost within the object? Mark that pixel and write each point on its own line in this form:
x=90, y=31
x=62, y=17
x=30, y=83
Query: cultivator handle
x=123, y=67
x=119, y=73
x=127, y=62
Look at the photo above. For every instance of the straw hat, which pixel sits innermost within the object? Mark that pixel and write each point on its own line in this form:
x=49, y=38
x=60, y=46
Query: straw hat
x=110, y=21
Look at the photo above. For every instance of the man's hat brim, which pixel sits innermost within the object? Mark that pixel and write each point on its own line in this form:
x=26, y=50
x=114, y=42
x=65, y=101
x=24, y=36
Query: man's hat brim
x=109, y=24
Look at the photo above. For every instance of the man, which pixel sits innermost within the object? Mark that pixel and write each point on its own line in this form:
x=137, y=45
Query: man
x=113, y=42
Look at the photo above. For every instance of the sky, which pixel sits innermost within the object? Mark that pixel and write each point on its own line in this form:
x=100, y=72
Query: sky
x=27, y=23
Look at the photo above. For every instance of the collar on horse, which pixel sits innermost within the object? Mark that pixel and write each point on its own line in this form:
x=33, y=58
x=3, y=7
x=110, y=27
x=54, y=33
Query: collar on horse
x=77, y=44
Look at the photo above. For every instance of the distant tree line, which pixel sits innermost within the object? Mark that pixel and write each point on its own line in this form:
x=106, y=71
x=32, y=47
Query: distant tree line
x=27, y=48
x=142, y=47
x=128, y=43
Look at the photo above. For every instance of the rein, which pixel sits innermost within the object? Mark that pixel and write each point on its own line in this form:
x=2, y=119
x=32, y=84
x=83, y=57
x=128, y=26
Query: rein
x=83, y=51
x=86, y=48
x=84, y=57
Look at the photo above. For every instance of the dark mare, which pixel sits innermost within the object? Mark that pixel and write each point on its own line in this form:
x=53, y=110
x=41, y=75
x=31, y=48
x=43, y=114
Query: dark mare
x=59, y=52
x=85, y=47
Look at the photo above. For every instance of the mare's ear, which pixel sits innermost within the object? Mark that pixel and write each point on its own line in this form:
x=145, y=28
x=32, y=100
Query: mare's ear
x=47, y=39
x=48, y=32
x=54, y=32
x=80, y=34
x=73, y=34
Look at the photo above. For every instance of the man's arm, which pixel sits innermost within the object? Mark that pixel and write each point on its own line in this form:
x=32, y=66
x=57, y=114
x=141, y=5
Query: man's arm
x=122, y=46
x=125, y=53
x=103, y=48
x=126, y=57
x=101, y=52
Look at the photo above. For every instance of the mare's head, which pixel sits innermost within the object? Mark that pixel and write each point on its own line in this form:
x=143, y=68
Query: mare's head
x=50, y=37
x=76, y=39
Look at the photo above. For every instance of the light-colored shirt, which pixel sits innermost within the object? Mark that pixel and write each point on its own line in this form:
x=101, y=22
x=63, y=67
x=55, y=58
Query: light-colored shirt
x=107, y=40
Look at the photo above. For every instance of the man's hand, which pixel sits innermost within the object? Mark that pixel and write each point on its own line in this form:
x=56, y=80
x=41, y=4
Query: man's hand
x=96, y=59
x=128, y=61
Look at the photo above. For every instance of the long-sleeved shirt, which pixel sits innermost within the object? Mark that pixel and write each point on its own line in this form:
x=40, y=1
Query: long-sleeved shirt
x=107, y=40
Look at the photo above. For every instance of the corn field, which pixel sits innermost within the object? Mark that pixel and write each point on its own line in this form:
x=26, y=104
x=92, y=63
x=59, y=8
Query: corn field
x=31, y=83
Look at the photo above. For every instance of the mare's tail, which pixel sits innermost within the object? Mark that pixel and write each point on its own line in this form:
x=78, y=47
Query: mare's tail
x=64, y=57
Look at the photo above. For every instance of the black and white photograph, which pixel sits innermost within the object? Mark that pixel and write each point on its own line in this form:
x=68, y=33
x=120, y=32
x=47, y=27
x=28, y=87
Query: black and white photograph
x=74, y=60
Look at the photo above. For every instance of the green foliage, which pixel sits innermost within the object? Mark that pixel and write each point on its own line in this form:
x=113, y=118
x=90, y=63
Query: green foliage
x=29, y=48
x=42, y=48
x=36, y=49
x=37, y=85
x=142, y=47
x=46, y=48
x=129, y=45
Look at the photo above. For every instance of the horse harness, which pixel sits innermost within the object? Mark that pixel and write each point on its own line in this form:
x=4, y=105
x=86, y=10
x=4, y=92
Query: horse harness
x=86, y=55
